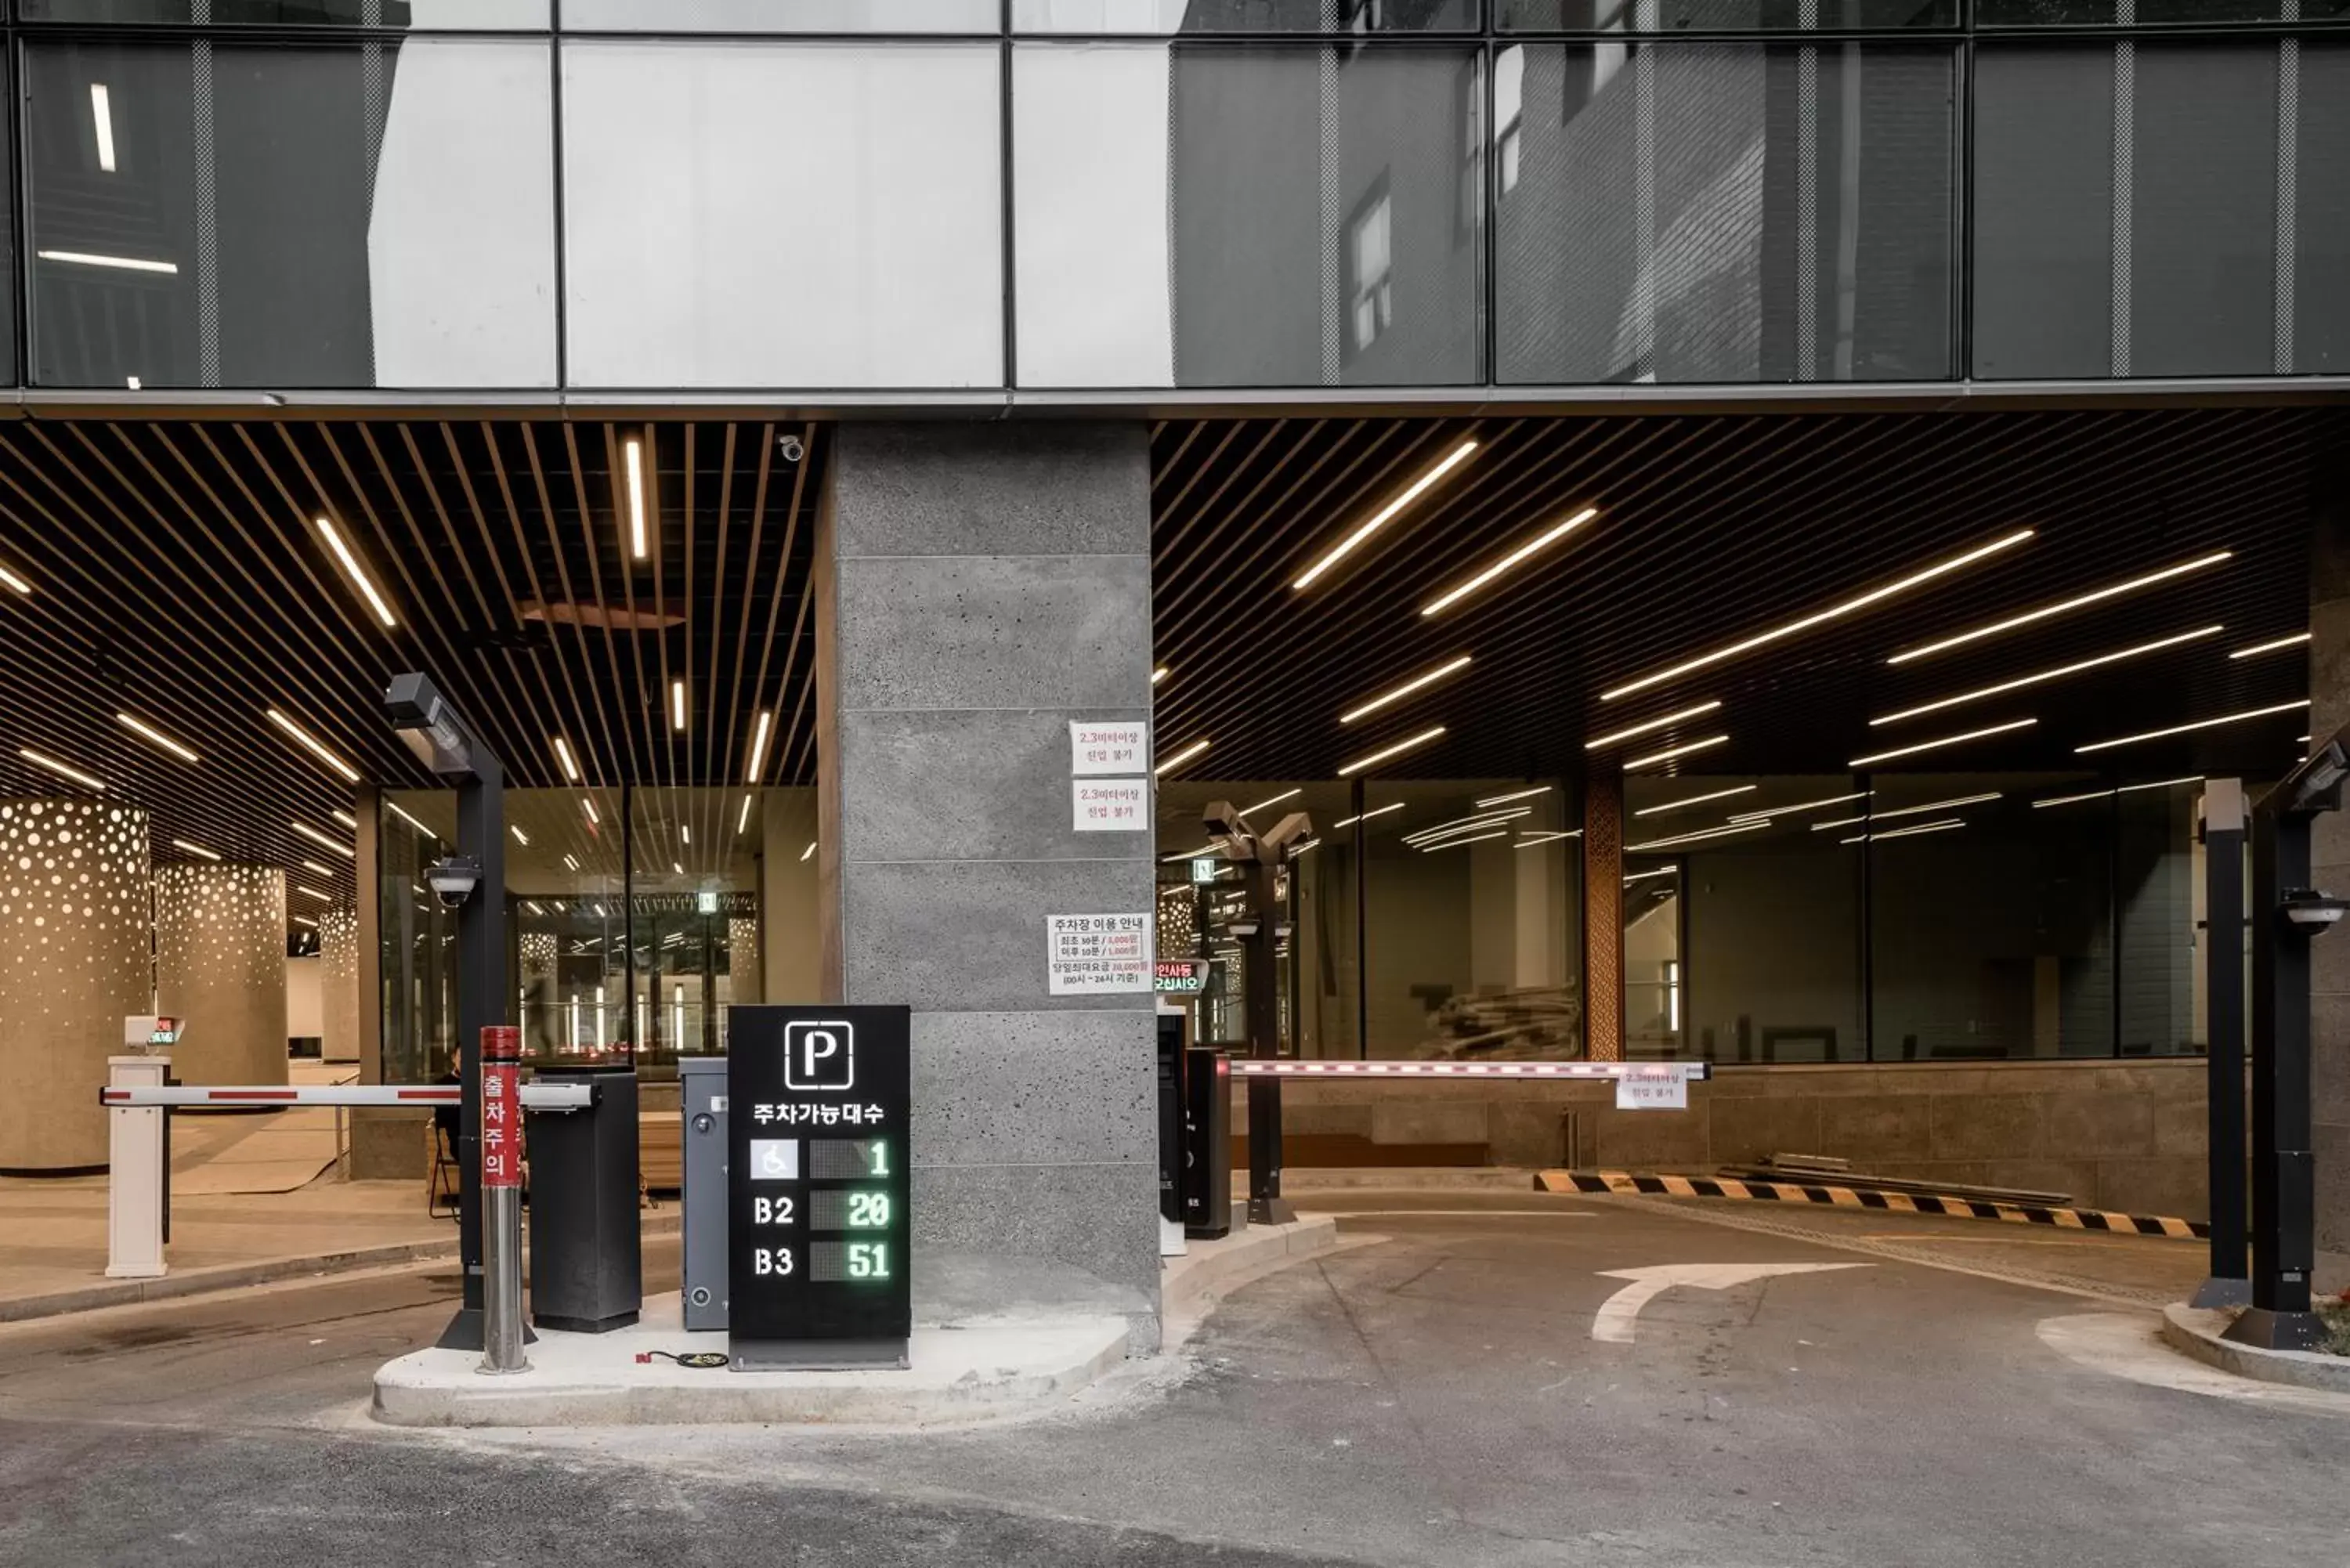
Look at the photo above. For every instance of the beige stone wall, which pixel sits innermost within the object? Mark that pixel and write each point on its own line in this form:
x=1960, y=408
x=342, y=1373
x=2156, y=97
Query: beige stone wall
x=219, y=962
x=2126, y=1136
x=339, y=983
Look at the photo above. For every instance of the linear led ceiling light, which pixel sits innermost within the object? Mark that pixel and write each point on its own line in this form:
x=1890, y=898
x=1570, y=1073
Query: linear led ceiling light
x=1942, y=826
x=742, y=820
x=1381, y=811
x=1452, y=667
x=155, y=737
x=2198, y=724
x=1659, y=871
x=633, y=451
x=312, y=744
x=1539, y=543
x=564, y=758
x=63, y=770
x=1801, y=806
x=198, y=850
x=1653, y=758
x=2295, y=641
x=1519, y=794
x=1820, y=617
x=676, y=704
x=1944, y=741
x=589, y=807
x=809, y=850
x=685, y=834
x=1955, y=800
x=14, y=583
x=1467, y=824
x=2074, y=668
x=1669, y=720
x=1697, y=800
x=349, y=562
x=1398, y=749
x=1528, y=840
x=402, y=813
x=1697, y=837
x=322, y=870
x=2061, y=607
x=2117, y=789
x=520, y=837
x=759, y=747
x=571, y=861
x=101, y=116
x=1386, y=515
x=1276, y=800
x=1453, y=842
x=119, y=263
x=1187, y=754
x=305, y=920
x=1159, y=675
x=314, y=893
x=347, y=819
x=325, y=841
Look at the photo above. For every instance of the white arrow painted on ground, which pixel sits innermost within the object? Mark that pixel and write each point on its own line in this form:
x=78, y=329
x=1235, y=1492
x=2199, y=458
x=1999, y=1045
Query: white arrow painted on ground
x=1612, y=1322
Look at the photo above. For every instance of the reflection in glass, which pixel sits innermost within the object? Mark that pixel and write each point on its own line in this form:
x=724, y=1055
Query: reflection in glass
x=782, y=17
x=1243, y=16
x=452, y=16
x=227, y=215
x=2150, y=13
x=1222, y=216
x=1681, y=213
x=1720, y=16
x=838, y=225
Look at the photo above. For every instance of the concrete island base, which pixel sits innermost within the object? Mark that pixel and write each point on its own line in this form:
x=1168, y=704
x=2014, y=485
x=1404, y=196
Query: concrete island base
x=974, y=1369
x=2197, y=1332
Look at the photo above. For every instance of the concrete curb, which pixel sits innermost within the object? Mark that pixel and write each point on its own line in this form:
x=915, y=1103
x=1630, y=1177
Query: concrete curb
x=1194, y=1280
x=243, y=1276
x=1406, y=1177
x=2197, y=1330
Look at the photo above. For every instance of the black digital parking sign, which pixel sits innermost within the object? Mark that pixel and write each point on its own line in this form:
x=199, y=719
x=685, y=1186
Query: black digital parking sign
x=817, y=1223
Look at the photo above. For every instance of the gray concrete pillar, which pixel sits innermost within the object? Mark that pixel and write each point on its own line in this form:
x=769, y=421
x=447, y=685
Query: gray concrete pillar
x=339, y=983
x=980, y=586
x=219, y=962
x=74, y=963
x=2329, y=695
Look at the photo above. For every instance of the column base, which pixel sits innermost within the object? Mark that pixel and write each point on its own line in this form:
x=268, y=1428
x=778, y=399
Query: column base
x=2219, y=1292
x=2267, y=1330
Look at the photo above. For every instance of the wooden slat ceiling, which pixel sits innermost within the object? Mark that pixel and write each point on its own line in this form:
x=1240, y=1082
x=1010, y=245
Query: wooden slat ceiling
x=180, y=576
x=1712, y=529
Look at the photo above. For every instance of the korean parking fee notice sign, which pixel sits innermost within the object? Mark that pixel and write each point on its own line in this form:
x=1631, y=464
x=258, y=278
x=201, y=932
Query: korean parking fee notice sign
x=817, y=1199
x=1095, y=955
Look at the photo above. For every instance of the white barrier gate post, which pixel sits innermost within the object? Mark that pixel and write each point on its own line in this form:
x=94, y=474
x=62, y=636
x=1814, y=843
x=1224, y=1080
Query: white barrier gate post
x=134, y=1180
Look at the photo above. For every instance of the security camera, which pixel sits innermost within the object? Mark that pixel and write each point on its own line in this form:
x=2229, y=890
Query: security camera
x=1295, y=828
x=790, y=450
x=454, y=880
x=2312, y=912
x=1225, y=825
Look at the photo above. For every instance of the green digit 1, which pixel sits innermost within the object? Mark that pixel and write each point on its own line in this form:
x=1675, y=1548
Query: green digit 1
x=880, y=1157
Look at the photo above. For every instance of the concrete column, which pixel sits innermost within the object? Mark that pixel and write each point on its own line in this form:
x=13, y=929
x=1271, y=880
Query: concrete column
x=339, y=983
x=220, y=961
x=74, y=963
x=1603, y=918
x=367, y=983
x=980, y=588
x=2329, y=983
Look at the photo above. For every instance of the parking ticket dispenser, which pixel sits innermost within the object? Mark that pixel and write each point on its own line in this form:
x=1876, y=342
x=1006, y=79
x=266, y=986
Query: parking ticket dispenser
x=818, y=1216
x=1207, y=1144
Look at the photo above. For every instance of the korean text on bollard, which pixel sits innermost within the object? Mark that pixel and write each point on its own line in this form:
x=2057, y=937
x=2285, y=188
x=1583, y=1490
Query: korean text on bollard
x=502, y=1336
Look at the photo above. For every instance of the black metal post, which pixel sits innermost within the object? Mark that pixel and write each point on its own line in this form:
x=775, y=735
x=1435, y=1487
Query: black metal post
x=480, y=1002
x=1266, y=1206
x=2284, y=1190
x=2230, y=1283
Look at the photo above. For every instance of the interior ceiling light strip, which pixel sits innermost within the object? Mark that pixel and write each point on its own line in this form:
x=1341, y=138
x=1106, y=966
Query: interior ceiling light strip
x=1385, y=753
x=349, y=562
x=1452, y=667
x=1912, y=832
x=1820, y=617
x=119, y=264
x=742, y=820
x=639, y=543
x=347, y=820
x=1380, y=810
x=1454, y=842
x=1540, y=542
x=759, y=747
x=2074, y=668
x=1475, y=824
x=149, y=734
x=62, y=769
x=676, y=704
x=1983, y=799
x=325, y=840
x=1802, y=805
x=1478, y=820
x=1386, y=515
x=564, y=758
x=2273, y=645
x=322, y=870
x=571, y=861
x=198, y=850
x=1188, y=753
x=520, y=837
x=1697, y=837
x=2118, y=789
x=305, y=920
x=1528, y=840
x=2198, y=724
x=809, y=850
x=312, y=744
x=1518, y=795
x=1653, y=758
x=1276, y=800
x=1658, y=871
x=589, y=807
x=1159, y=675
x=314, y=893
x=2061, y=607
x=1205, y=850
x=1297, y=849
x=101, y=119
x=402, y=812
x=14, y=583
x=1943, y=741
x=1669, y=720
x=1699, y=800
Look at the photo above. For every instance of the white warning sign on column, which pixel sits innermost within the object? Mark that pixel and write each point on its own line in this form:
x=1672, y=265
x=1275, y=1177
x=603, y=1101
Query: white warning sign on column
x=1097, y=955
x=1110, y=806
x=1098, y=750
x=1661, y=1086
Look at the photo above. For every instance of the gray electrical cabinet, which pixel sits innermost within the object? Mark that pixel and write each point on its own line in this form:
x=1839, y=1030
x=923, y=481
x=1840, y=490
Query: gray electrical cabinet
x=703, y=1083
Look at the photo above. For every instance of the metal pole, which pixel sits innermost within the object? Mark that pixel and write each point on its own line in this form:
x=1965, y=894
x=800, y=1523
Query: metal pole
x=481, y=1004
x=2230, y=1283
x=1266, y=1206
x=500, y=1140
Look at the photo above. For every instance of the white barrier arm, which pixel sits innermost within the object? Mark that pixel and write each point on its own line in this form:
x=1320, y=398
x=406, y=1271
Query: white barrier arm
x=535, y=1096
x=1243, y=1067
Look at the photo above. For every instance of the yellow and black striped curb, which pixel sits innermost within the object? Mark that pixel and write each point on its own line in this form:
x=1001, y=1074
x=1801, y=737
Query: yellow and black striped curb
x=1626, y=1183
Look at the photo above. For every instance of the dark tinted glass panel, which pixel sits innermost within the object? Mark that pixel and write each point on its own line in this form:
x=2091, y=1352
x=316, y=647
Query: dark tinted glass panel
x=2204, y=211
x=1720, y=16
x=2320, y=102
x=2156, y=868
x=218, y=215
x=782, y=15
x=1167, y=16
x=1723, y=213
x=2043, y=218
x=2150, y=13
x=449, y=14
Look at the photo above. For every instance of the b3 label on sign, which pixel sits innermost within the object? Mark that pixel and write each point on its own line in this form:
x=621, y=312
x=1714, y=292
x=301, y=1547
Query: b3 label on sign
x=771, y=1261
x=819, y=1056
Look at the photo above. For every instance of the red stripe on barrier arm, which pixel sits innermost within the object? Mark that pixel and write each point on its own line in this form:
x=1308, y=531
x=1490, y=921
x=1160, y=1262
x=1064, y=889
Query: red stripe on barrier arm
x=441, y=1093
